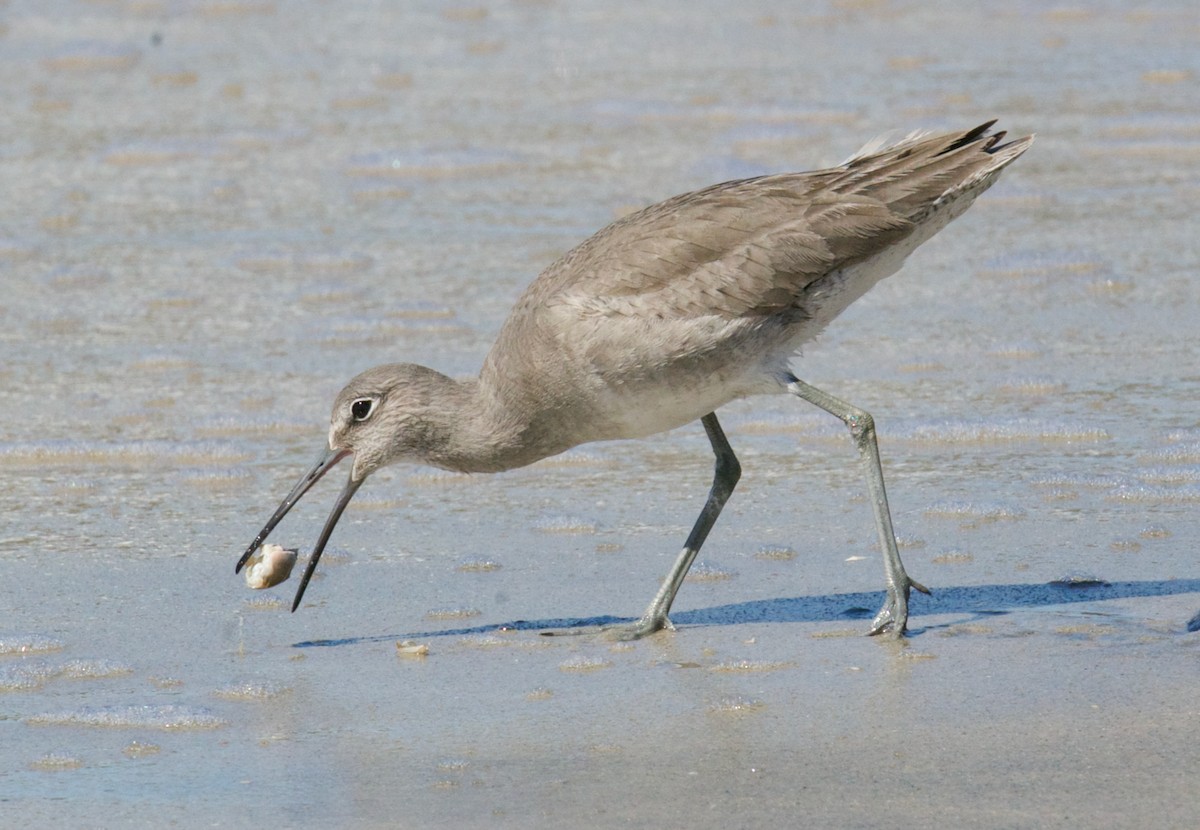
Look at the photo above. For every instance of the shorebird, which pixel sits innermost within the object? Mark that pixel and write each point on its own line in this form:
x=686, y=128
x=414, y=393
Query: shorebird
x=663, y=317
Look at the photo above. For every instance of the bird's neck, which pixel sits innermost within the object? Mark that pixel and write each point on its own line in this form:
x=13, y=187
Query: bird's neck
x=484, y=430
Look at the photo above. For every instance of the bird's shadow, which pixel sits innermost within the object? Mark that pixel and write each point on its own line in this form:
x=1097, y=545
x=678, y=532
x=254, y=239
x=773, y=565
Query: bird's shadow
x=975, y=601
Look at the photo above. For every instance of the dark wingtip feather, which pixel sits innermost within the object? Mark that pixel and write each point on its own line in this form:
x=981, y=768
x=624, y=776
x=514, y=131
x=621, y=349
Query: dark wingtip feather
x=992, y=145
x=971, y=136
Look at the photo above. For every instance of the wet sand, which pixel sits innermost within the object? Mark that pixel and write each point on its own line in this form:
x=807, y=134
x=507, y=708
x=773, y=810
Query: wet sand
x=216, y=213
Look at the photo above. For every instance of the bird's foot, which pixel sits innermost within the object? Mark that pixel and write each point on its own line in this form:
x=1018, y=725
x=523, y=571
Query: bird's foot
x=624, y=632
x=621, y=631
x=892, y=618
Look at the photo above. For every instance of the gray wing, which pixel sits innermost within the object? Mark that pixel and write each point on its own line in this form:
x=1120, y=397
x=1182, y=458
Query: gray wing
x=752, y=247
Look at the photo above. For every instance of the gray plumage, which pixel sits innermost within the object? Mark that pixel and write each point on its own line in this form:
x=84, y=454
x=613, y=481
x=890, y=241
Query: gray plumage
x=666, y=315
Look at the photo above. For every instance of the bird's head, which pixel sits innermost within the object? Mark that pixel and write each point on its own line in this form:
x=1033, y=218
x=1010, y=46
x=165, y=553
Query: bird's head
x=380, y=417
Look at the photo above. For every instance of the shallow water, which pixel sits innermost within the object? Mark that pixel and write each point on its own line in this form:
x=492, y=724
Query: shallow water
x=217, y=212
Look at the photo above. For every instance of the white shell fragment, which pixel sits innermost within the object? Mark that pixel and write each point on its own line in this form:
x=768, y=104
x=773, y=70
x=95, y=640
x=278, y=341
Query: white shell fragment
x=270, y=565
x=408, y=648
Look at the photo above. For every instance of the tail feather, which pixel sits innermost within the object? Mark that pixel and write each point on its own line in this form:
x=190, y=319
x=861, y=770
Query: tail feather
x=921, y=172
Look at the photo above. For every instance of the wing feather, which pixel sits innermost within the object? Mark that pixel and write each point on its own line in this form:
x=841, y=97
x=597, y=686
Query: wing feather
x=752, y=247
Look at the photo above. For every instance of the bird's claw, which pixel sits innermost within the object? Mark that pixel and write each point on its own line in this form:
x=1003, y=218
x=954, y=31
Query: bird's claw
x=892, y=618
x=625, y=632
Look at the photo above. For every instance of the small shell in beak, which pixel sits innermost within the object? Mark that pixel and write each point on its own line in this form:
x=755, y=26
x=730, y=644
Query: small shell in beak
x=270, y=565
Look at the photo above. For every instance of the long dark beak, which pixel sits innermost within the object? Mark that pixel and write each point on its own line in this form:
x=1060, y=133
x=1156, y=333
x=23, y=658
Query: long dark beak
x=324, y=464
x=344, y=499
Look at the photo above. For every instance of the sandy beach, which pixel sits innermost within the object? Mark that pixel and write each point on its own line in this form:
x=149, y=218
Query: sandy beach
x=216, y=213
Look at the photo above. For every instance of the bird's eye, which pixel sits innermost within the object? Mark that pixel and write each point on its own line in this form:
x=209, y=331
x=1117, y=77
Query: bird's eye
x=362, y=408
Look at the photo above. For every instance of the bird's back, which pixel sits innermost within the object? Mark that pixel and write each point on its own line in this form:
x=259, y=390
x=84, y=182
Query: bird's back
x=699, y=293
x=752, y=246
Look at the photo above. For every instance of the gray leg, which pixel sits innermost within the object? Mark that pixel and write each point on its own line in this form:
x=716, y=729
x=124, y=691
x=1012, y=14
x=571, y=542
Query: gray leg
x=894, y=614
x=725, y=477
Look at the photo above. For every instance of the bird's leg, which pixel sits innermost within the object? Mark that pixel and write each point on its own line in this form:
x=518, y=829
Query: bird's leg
x=893, y=616
x=726, y=473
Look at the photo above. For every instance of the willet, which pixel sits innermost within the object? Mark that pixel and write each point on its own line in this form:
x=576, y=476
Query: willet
x=663, y=317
